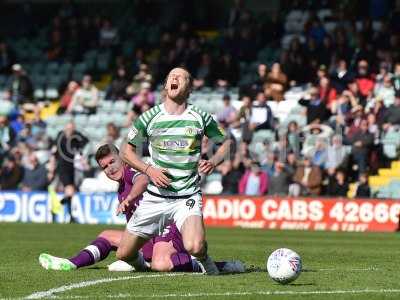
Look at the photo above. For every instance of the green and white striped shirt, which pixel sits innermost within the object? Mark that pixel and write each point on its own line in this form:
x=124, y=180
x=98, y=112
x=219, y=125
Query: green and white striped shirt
x=175, y=145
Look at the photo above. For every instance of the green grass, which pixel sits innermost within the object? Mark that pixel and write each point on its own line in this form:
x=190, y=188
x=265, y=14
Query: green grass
x=332, y=261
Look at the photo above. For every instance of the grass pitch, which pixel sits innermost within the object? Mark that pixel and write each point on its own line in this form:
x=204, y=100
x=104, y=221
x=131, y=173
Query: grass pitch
x=336, y=266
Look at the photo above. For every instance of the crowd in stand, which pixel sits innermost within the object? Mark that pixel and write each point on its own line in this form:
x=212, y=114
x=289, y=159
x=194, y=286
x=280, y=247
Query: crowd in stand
x=349, y=77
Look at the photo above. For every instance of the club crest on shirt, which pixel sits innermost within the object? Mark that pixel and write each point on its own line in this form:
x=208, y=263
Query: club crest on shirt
x=132, y=133
x=192, y=131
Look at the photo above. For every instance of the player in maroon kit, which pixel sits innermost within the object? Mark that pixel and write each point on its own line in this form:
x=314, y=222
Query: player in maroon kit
x=162, y=253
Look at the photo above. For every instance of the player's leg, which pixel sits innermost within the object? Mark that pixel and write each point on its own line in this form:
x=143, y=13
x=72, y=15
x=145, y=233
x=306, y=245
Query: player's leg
x=188, y=217
x=144, y=224
x=168, y=254
x=96, y=251
x=128, y=250
x=69, y=191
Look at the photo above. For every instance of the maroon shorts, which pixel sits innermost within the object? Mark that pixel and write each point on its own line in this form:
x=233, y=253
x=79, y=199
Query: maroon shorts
x=171, y=233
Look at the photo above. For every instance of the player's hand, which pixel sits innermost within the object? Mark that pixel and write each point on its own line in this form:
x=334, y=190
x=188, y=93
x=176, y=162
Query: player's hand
x=158, y=177
x=206, y=167
x=122, y=207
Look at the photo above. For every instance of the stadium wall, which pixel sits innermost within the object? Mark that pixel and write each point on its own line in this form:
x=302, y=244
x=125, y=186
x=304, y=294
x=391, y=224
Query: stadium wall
x=219, y=211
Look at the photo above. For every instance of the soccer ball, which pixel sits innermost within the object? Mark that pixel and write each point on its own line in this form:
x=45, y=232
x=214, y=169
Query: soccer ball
x=284, y=265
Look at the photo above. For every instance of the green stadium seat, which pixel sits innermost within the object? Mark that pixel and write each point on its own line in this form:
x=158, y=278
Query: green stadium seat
x=264, y=136
x=51, y=93
x=81, y=121
x=391, y=143
x=120, y=106
x=38, y=94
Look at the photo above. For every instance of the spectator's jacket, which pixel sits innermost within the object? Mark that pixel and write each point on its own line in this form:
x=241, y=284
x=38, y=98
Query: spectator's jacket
x=263, y=182
x=314, y=179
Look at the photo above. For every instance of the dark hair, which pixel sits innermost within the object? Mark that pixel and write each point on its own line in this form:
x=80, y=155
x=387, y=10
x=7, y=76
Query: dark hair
x=105, y=150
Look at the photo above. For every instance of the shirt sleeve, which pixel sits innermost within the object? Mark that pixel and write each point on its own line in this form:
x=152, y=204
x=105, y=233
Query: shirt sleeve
x=213, y=131
x=138, y=132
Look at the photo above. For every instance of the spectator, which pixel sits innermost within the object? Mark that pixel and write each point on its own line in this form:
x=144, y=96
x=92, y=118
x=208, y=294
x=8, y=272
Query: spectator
x=276, y=82
x=229, y=178
x=260, y=79
x=243, y=159
x=11, y=174
x=364, y=80
x=85, y=98
x=362, y=187
x=7, y=58
x=243, y=118
x=228, y=113
x=56, y=49
x=341, y=77
x=227, y=72
x=319, y=153
x=7, y=136
x=66, y=97
x=291, y=163
x=279, y=180
x=385, y=91
x=142, y=76
x=338, y=186
x=336, y=153
x=261, y=114
x=307, y=178
x=362, y=142
x=69, y=143
x=254, y=182
x=204, y=74
x=117, y=88
x=113, y=135
x=35, y=176
x=316, y=108
x=392, y=115
x=326, y=92
x=294, y=137
x=20, y=86
x=108, y=34
x=144, y=100
x=396, y=77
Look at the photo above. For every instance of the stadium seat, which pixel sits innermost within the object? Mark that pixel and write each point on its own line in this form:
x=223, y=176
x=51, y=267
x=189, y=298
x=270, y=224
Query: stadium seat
x=52, y=68
x=38, y=94
x=106, y=106
x=81, y=121
x=6, y=107
x=391, y=143
x=264, y=136
x=120, y=106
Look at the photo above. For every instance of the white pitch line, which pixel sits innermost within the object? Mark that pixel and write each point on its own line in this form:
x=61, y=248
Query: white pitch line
x=353, y=269
x=64, y=288
x=234, y=294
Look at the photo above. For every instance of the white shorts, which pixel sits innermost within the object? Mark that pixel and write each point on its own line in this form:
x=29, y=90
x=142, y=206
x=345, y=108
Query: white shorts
x=154, y=213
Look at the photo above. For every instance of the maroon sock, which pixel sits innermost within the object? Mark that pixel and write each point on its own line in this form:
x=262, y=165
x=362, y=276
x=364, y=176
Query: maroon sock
x=182, y=262
x=220, y=265
x=95, y=252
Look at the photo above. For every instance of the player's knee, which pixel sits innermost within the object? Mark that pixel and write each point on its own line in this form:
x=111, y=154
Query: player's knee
x=161, y=265
x=195, y=246
x=122, y=254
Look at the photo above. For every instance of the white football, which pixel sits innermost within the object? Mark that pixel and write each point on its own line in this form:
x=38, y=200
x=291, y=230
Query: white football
x=284, y=265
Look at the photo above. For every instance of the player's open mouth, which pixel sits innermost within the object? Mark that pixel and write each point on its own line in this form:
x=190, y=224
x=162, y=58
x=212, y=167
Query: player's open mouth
x=174, y=86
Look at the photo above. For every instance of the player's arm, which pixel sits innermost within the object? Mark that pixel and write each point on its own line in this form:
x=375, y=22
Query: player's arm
x=128, y=154
x=157, y=176
x=138, y=188
x=217, y=135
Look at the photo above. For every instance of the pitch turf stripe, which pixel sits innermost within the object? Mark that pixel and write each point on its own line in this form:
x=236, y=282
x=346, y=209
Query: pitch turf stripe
x=64, y=288
x=232, y=294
